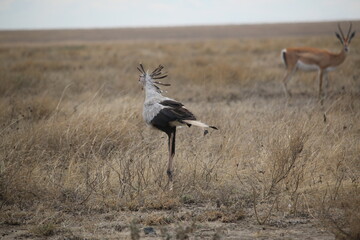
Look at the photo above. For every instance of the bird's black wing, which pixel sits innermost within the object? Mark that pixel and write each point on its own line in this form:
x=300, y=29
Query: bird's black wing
x=174, y=111
x=171, y=103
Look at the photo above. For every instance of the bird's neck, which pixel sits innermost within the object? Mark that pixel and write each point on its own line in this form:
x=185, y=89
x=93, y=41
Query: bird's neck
x=152, y=91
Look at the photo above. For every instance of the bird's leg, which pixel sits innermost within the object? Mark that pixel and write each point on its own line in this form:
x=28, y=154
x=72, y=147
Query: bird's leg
x=171, y=144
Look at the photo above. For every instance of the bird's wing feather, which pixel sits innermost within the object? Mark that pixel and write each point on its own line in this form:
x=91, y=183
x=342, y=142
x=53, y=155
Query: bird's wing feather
x=171, y=103
x=176, y=111
x=179, y=114
x=172, y=111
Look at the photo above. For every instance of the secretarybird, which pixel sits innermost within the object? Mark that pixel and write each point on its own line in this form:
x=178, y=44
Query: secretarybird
x=163, y=113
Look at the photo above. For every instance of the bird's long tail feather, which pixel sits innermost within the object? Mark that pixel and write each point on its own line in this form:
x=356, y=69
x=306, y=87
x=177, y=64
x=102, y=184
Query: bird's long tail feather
x=199, y=124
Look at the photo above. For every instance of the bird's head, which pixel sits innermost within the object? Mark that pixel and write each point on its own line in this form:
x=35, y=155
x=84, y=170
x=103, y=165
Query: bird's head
x=146, y=79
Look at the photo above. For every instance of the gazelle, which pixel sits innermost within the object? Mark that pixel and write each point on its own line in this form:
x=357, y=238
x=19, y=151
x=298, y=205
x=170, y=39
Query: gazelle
x=314, y=59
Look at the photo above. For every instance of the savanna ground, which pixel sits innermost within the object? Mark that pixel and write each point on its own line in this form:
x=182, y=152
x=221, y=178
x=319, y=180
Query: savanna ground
x=78, y=162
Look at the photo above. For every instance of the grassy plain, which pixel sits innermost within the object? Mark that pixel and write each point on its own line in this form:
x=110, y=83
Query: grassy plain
x=78, y=162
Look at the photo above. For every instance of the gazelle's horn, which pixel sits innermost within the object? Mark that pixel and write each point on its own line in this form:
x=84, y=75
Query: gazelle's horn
x=348, y=35
x=341, y=32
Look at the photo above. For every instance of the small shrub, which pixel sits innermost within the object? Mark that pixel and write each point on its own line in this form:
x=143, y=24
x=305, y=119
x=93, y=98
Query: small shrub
x=134, y=231
x=44, y=229
x=158, y=219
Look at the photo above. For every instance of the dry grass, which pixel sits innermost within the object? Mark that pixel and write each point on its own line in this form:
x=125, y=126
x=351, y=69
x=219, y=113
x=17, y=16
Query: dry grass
x=73, y=139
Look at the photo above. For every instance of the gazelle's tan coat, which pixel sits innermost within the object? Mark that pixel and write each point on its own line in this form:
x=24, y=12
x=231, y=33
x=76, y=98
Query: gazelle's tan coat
x=313, y=59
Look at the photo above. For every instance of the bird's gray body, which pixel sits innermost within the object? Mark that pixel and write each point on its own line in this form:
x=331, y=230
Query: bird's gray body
x=152, y=104
x=163, y=113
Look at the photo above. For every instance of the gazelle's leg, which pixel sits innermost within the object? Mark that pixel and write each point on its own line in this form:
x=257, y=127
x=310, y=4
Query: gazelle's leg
x=321, y=74
x=287, y=77
x=326, y=77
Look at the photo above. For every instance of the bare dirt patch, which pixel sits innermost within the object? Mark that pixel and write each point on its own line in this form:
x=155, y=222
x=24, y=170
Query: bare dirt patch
x=132, y=225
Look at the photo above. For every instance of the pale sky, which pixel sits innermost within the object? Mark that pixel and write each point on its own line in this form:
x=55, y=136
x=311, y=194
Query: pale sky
x=55, y=14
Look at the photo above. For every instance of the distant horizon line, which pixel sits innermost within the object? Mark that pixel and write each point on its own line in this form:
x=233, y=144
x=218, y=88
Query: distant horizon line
x=176, y=26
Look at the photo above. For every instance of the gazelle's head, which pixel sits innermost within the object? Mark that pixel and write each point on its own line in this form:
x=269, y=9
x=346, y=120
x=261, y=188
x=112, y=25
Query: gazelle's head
x=345, y=41
x=148, y=80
